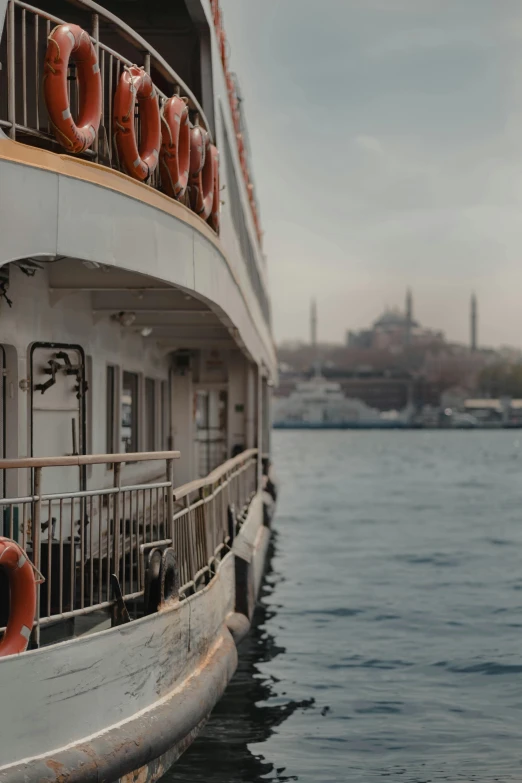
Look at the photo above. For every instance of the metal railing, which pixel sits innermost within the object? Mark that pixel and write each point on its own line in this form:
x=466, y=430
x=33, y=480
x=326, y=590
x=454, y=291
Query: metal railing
x=204, y=510
x=26, y=31
x=78, y=540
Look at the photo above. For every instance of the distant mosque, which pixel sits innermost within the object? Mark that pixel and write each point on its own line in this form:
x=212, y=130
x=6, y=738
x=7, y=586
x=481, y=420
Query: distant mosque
x=395, y=330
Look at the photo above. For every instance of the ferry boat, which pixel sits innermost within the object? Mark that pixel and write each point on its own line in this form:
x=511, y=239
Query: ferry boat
x=137, y=363
x=320, y=404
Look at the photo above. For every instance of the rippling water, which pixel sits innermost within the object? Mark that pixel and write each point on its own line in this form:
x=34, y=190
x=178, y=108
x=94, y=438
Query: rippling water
x=389, y=638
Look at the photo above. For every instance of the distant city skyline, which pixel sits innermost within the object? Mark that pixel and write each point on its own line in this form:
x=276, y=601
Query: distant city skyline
x=387, y=151
x=408, y=308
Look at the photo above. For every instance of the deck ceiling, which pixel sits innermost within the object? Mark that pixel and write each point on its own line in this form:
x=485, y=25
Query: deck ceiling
x=176, y=317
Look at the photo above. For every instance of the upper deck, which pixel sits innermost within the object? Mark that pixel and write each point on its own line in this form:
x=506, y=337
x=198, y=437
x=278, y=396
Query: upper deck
x=125, y=223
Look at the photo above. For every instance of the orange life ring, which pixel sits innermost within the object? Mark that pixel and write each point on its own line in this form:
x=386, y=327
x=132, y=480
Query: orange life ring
x=214, y=217
x=175, y=148
x=201, y=172
x=223, y=47
x=136, y=85
x=218, y=21
x=236, y=118
x=242, y=156
x=244, y=169
x=70, y=42
x=214, y=5
x=231, y=87
x=232, y=99
x=257, y=224
x=22, y=586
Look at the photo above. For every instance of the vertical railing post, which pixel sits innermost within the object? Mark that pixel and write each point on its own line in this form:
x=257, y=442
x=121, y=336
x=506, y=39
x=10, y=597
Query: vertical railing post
x=210, y=520
x=170, y=497
x=96, y=36
x=190, y=538
x=207, y=516
x=37, y=529
x=146, y=66
x=117, y=531
x=24, y=67
x=11, y=65
x=259, y=427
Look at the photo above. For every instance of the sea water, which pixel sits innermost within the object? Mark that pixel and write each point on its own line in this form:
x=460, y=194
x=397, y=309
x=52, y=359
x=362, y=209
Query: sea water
x=388, y=641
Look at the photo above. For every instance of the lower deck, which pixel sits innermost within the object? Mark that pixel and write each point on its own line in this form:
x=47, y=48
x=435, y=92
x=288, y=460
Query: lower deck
x=133, y=460
x=123, y=703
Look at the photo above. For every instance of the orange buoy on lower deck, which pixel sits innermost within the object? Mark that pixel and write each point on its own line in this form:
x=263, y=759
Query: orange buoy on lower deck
x=214, y=217
x=70, y=42
x=135, y=85
x=22, y=587
x=175, y=148
x=201, y=172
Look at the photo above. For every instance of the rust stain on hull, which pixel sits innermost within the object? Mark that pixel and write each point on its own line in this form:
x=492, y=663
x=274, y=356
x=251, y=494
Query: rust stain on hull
x=58, y=769
x=155, y=770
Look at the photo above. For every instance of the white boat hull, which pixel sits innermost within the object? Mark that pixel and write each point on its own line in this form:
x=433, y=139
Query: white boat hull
x=123, y=704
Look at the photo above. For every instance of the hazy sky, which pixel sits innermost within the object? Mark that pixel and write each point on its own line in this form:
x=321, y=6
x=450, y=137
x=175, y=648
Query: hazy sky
x=387, y=151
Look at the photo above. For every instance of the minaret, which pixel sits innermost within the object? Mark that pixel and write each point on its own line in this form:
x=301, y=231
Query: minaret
x=409, y=314
x=313, y=324
x=474, y=322
x=313, y=338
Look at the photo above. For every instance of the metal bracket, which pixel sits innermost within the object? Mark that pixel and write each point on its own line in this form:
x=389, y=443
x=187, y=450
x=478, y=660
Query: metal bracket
x=53, y=368
x=69, y=369
x=120, y=614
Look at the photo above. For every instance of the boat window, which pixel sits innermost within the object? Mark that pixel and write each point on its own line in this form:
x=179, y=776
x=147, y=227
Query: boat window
x=129, y=413
x=110, y=411
x=150, y=414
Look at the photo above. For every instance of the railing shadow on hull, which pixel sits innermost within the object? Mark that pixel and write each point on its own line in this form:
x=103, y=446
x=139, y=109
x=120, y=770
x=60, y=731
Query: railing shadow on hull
x=81, y=541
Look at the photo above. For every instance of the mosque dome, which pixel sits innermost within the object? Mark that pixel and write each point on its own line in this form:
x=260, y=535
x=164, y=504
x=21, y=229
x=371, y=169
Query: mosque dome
x=393, y=319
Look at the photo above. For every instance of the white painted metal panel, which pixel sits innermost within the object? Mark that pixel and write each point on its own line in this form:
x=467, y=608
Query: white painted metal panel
x=82, y=220
x=80, y=687
x=212, y=282
x=28, y=211
x=98, y=224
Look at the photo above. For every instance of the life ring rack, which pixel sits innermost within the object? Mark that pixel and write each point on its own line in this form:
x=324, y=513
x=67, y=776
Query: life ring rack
x=22, y=587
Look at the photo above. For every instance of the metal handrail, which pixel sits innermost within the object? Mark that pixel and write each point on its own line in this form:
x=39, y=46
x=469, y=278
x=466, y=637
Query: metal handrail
x=213, y=478
x=86, y=459
x=231, y=464
x=38, y=11
x=117, y=524
x=161, y=64
x=147, y=53
x=133, y=37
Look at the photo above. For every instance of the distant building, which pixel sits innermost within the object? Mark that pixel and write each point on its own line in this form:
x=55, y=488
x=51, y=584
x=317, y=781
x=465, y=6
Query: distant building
x=393, y=330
